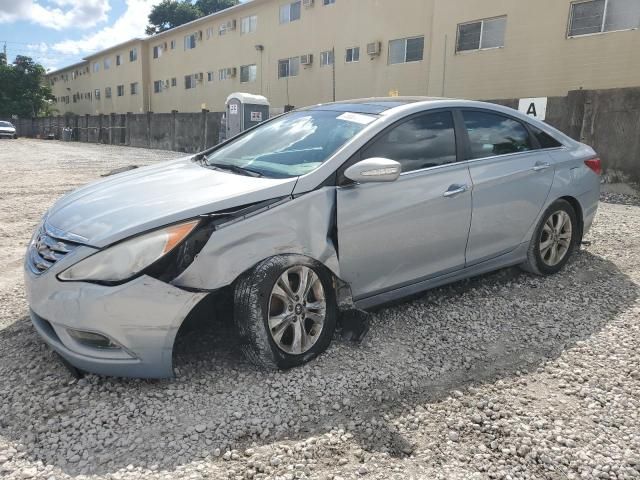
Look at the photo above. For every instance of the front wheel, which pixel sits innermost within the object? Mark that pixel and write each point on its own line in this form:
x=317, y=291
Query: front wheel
x=554, y=240
x=285, y=311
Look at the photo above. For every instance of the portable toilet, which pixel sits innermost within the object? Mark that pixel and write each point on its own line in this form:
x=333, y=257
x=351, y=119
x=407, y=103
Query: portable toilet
x=244, y=111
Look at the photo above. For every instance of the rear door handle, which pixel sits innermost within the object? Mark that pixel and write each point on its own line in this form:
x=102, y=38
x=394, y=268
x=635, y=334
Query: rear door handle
x=455, y=190
x=540, y=166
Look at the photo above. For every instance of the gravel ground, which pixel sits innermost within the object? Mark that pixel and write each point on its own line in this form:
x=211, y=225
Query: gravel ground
x=506, y=376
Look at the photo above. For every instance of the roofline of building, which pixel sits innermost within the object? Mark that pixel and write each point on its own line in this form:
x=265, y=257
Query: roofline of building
x=73, y=65
x=197, y=21
x=115, y=47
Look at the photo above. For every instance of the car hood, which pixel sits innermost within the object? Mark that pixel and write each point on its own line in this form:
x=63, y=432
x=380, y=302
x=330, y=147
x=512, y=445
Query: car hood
x=146, y=198
x=7, y=129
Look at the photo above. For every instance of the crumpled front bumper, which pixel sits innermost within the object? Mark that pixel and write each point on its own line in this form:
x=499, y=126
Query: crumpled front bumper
x=141, y=318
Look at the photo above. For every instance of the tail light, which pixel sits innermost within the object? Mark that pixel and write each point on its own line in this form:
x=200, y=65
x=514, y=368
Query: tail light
x=594, y=164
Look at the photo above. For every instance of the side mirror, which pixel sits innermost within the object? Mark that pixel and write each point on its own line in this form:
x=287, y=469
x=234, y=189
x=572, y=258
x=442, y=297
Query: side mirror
x=374, y=170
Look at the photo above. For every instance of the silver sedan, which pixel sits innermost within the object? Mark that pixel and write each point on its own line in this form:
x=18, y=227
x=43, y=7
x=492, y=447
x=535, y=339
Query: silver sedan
x=332, y=208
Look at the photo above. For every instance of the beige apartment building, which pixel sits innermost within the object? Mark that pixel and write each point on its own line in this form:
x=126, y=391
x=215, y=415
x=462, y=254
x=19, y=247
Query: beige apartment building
x=303, y=52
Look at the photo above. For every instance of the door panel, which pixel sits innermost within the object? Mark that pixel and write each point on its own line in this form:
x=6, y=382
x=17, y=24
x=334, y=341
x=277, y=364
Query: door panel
x=511, y=182
x=393, y=234
x=508, y=194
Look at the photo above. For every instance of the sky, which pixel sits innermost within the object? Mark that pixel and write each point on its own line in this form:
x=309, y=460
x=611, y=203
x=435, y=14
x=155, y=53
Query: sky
x=57, y=33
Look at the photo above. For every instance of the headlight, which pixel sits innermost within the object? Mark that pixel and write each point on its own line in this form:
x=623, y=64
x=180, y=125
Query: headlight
x=127, y=259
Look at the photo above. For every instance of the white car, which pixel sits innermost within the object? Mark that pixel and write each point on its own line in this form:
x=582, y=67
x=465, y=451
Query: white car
x=7, y=129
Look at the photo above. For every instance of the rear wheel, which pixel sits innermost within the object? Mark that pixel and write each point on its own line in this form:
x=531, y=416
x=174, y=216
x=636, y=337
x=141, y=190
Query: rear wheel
x=285, y=311
x=554, y=240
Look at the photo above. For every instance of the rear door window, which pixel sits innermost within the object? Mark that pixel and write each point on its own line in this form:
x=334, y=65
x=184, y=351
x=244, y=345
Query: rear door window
x=425, y=141
x=544, y=139
x=492, y=134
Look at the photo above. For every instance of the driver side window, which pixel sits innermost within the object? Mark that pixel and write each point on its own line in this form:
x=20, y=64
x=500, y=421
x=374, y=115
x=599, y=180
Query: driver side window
x=422, y=142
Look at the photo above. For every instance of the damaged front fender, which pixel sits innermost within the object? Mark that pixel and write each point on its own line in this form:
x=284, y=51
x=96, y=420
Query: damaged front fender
x=304, y=225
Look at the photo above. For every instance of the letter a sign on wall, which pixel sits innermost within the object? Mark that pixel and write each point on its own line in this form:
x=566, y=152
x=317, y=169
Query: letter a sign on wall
x=534, y=107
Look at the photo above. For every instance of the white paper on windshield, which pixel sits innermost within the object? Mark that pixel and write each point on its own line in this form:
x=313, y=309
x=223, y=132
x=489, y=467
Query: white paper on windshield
x=356, y=118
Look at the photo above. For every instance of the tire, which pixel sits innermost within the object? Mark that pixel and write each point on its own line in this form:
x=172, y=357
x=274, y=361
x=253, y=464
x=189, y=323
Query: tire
x=540, y=258
x=15, y=137
x=269, y=336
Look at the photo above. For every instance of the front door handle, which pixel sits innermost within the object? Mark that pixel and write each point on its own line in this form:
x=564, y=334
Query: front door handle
x=540, y=166
x=455, y=190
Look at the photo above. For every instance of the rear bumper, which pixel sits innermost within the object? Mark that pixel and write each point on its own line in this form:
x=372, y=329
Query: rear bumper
x=141, y=318
x=589, y=202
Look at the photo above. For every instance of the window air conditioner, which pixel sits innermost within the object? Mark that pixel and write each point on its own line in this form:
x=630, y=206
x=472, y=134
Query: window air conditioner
x=374, y=49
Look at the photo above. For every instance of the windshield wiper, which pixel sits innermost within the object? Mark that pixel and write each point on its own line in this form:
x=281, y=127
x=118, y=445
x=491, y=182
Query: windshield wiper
x=236, y=169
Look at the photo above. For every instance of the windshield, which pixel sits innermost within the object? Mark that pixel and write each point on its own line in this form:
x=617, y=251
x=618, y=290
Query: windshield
x=5, y=124
x=292, y=145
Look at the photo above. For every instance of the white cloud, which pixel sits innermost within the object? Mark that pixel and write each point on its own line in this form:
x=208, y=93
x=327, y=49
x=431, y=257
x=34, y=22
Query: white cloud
x=131, y=24
x=55, y=14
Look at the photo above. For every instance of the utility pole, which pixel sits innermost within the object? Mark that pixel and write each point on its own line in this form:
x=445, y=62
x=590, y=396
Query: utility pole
x=333, y=54
x=4, y=60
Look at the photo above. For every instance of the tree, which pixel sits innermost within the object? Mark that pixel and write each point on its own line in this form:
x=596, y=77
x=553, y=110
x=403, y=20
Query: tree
x=173, y=13
x=22, y=89
x=207, y=7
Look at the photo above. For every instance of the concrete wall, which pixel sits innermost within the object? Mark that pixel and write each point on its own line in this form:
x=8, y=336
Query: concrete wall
x=183, y=132
x=608, y=120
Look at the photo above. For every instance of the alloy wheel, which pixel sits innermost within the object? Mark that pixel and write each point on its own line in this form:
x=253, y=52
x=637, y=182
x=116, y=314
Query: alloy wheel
x=556, y=238
x=297, y=310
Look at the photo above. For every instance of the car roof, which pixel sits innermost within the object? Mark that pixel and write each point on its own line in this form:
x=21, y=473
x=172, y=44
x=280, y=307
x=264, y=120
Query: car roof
x=373, y=105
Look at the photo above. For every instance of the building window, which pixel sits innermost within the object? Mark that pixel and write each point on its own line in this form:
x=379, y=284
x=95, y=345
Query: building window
x=249, y=24
x=107, y=63
x=157, y=51
x=210, y=76
x=406, y=50
x=326, y=58
x=157, y=86
x=289, y=67
x=209, y=32
x=190, y=41
x=189, y=82
x=96, y=67
x=174, y=82
x=248, y=73
x=118, y=60
x=597, y=16
x=483, y=34
x=290, y=12
x=173, y=44
x=328, y=2
x=353, y=55
x=120, y=90
x=226, y=73
x=134, y=88
x=133, y=54
x=107, y=92
x=96, y=94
